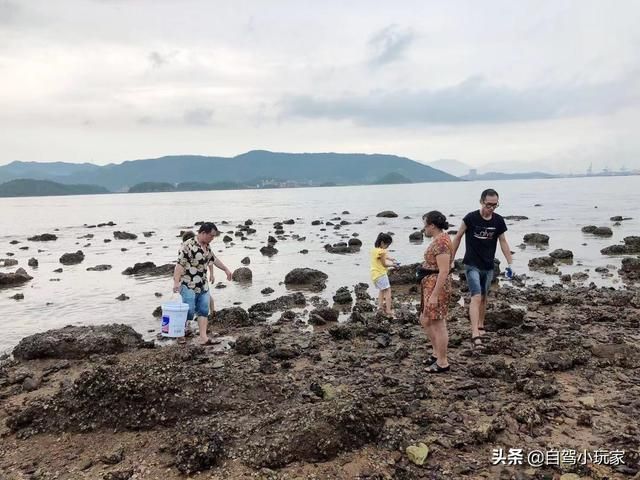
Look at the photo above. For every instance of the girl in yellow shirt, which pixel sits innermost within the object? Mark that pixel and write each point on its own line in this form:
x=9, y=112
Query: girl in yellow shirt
x=380, y=261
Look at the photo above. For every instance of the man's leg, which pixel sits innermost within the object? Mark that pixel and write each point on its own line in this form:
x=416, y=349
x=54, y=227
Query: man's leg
x=475, y=290
x=380, y=300
x=474, y=314
x=202, y=310
x=485, y=282
x=482, y=311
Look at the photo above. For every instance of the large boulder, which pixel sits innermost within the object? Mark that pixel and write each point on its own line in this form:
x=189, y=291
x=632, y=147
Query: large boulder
x=18, y=277
x=45, y=237
x=72, y=258
x=504, y=318
x=561, y=254
x=540, y=263
x=343, y=296
x=78, y=342
x=602, y=232
x=305, y=277
x=149, y=268
x=8, y=262
x=387, y=214
x=242, y=274
x=294, y=300
x=315, y=432
x=326, y=313
x=234, y=317
x=269, y=250
x=536, y=238
x=631, y=246
x=403, y=275
x=630, y=268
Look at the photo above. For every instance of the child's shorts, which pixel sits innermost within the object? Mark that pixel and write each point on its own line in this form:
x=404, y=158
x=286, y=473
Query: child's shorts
x=382, y=283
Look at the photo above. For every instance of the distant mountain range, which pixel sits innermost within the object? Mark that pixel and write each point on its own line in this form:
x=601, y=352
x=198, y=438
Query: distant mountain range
x=254, y=167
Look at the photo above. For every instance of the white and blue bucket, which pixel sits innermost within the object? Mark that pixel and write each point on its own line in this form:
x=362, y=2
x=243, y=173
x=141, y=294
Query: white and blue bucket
x=174, y=319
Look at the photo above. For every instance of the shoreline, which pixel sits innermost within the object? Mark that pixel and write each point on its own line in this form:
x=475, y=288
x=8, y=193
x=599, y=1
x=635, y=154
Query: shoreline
x=561, y=367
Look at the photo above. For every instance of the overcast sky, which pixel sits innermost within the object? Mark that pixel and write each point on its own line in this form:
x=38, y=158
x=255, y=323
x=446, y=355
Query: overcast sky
x=552, y=82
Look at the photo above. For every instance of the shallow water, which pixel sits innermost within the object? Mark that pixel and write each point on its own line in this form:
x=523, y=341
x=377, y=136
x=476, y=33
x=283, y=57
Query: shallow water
x=81, y=297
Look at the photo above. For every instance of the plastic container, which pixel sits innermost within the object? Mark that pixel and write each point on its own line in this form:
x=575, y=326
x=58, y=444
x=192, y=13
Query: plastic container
x=174, y=319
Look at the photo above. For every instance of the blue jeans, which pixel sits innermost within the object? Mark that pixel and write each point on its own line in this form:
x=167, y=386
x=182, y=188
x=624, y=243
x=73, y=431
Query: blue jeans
x=198, y=302
x=479, y=281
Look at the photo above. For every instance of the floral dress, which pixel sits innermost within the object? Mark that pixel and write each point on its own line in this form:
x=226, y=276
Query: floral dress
x=439, y=246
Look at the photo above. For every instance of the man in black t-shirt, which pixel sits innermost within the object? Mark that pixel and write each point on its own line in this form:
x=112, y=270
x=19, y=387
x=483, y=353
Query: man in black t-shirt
x=482, y=229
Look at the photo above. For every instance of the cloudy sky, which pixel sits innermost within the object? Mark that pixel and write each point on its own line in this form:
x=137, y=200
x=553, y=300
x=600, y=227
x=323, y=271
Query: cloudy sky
x=551, y=82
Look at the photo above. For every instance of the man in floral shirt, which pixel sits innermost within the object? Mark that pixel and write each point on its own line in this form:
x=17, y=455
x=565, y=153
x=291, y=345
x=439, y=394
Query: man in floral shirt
x=190, y=276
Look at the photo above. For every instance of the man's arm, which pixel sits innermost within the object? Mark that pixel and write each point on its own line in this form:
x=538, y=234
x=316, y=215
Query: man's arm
x=178, y=272
x=506, y=250
x=218, y=263
x=458, y=239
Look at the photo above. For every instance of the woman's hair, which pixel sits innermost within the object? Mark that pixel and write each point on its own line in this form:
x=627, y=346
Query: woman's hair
x=436, y=219
x=188, y=235
x=383, y=238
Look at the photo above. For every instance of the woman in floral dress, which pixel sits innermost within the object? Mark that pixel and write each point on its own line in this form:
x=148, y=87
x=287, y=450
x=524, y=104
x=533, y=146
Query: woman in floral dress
x=436, y=289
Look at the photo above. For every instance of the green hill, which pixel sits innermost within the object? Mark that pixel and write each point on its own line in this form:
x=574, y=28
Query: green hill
x=40, y=188
x=392, y=178
x=302, y=168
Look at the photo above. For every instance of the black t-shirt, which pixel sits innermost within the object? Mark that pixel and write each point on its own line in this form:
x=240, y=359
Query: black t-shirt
x=481, y=239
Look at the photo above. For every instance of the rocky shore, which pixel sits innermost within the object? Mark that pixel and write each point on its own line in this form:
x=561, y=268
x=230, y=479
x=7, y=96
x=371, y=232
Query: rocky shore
x=277, y=398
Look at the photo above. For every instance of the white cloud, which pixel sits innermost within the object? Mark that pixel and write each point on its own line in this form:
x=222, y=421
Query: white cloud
x=110, y=80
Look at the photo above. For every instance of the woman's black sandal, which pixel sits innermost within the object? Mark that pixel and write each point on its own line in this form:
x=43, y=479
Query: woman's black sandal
x=435, y=368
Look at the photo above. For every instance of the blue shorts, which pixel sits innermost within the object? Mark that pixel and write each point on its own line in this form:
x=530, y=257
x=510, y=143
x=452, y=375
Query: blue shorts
x=198, y=302
x=479, y=281
x=382, y=283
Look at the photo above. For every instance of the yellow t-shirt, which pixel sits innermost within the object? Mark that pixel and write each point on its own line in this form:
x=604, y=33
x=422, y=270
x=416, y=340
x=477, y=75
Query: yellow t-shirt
x=377, y=267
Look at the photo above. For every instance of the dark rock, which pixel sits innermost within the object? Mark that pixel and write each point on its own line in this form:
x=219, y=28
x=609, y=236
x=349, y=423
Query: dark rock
x=383, y=340
x=355, y=242
x=8, y=262
x=403, y=275
x=33, y=262
x=536, y=238
x=18, y=296
x=124, y=474
x=236, y=317
x=247, y=345
x=267, y=291
x=198, y=451
x=327, y=314
x=602, y=232
x=30, y=384
x=45, y=237
x=150, y=268
x=147, y=234
x=589, y=229
x=99, y=268
x=113, y=458
x=122, y=297
x=271, y=240
x=387, y=214
x=308, y=277
x=295, y=300
x=504, y=317
x=242, y=274
x=416, y=236
x=18, y=277
x=284, y=353
x=341, y=332
x=157, y=312
x=515, y=217
x=316, y=222
x=245, y=261
x=269, y=251
x=343, y=296
x=118, y=235
x=317, y=432
x=289, y=222
x=227, y=239
x=72, y=258
x=560, y=254
x=58, y=270
x=78, y=342
x=540, y=263
x=631, y=268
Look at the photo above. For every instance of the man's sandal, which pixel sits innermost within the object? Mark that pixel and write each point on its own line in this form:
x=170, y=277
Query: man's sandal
x=476, y=341
x=431, y=360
